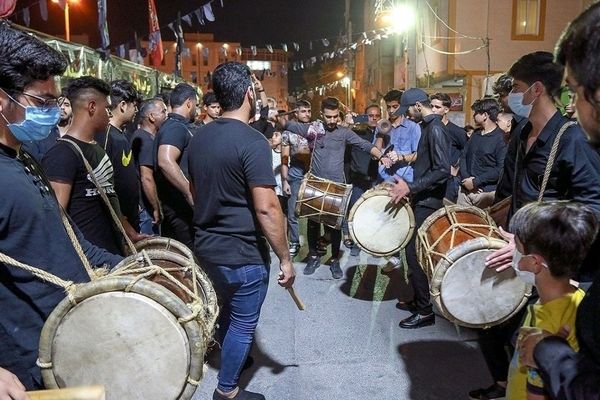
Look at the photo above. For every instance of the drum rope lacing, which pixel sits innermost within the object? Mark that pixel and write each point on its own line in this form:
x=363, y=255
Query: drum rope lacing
x=455, y=226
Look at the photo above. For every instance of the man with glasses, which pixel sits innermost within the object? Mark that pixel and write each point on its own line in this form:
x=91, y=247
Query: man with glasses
x=124, y=100
x=574, y=176
x=31, y=229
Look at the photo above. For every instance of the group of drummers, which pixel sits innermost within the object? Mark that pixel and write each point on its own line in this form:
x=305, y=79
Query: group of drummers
x=522, y=191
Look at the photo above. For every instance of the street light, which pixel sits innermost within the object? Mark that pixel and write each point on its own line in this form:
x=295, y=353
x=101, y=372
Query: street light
x=67, y=24
x=346, y=83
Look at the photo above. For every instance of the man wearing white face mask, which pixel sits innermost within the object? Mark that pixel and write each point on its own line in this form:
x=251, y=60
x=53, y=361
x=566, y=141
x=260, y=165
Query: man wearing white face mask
x=551, y=242
x=574, y=175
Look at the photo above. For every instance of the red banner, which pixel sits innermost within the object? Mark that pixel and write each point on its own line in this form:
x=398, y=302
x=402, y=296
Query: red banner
x=155, y=46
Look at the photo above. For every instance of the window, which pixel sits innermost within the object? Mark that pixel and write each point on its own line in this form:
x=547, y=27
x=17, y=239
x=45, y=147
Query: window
x=255, y=65
x=528, y=19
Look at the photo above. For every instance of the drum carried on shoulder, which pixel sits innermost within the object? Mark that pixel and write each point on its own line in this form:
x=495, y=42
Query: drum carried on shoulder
x=141, y=330
x=323, y=201
x=452, y=245
x=377, y=225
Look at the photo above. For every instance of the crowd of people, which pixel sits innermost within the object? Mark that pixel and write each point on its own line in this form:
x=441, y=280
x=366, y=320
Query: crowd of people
x=223, y=177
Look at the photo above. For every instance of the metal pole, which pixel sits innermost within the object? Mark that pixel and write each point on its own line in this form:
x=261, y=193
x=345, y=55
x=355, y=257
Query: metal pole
x=67, y=25
x=350, y=58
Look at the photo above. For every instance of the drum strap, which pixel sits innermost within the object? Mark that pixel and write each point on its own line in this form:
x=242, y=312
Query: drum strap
x=103, y=195
x=552, y=157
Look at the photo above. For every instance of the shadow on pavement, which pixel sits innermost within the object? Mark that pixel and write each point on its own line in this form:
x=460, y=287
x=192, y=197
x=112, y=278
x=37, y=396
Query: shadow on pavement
x=443, y=369
x=370, y=283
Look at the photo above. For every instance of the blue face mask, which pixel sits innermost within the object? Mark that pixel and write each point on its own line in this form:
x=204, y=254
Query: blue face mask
x=37, y=124
x=515, y=102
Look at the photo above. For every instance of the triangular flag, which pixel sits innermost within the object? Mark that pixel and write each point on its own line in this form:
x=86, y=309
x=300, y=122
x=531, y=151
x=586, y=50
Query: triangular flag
x=253, y=49
x=188, y=19
x=26, y=16
x=121, y=51
x=296, y=46
x=208, y=12
x=270, y=48
x=62, y=4
x=44, y=9
x=199, y=16
x=238, y=51
x=284, y=47
x=325, y=42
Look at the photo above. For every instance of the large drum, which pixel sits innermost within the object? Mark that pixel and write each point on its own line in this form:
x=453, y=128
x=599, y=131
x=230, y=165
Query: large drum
x=141, y=331
x=377, y=225
x=452, y=245
x=323, y=201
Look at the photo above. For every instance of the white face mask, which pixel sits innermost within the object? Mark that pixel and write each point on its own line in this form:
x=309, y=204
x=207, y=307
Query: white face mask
x=515, y=102
x=526, y=276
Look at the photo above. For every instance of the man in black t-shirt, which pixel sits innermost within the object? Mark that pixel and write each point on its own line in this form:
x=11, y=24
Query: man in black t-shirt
x=75, y=190
x=232, y=175
x=124, y=99
x=151, y=116
x=170, y=165
x=31, y=228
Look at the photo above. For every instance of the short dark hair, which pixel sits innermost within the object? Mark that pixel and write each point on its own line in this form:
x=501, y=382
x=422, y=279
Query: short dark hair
x=372, y=106
x=303, y=103
x=487, y=105
x=579, y=46
x=181, y=93
x=502, y=86
x=561, y=232
x=25, y=59
x=538, y=66
x=443, y=97
x=148, y=106
x=231, y=81
x=330, y=103
x=209, y=98
x=77, y=88
x=123, y=90
x=392, y=95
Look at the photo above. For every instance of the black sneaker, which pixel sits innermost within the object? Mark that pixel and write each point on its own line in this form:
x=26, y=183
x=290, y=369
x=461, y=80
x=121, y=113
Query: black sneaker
x=417, y=321
x=311, y=266
x=294, y=248
x=493, y=392
x=334, y=267
x=241, y=395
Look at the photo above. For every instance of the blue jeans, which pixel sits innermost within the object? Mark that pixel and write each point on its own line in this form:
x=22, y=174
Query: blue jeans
x=146, y=225
x=241, y=290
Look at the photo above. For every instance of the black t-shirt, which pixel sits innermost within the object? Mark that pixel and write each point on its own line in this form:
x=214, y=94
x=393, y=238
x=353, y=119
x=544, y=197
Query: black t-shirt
x=174, y=132
x=142, y=145
x=86, y=207
x=225, y=161
x=127, y=183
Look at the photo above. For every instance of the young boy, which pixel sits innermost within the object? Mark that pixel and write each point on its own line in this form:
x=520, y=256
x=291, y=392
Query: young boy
x=552, y=240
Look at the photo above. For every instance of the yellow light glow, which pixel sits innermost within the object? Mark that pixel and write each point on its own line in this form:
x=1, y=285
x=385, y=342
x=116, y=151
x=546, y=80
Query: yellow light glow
x=398, y=19
x=339, y=74
x=199, y=45
x=225, y=45
x=346, y=81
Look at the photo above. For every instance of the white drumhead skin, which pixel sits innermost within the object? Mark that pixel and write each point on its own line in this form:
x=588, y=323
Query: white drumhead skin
x=380, y=227
x=480, y=296
x=127, y=342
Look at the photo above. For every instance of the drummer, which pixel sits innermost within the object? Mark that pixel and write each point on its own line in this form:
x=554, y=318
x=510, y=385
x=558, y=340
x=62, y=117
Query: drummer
x=328, y=142
x=31, y=229
x=431, y=173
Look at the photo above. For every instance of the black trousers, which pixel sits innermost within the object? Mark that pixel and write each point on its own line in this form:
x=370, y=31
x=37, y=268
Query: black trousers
x=417, y=278
x=178, y=223
x=313, y=231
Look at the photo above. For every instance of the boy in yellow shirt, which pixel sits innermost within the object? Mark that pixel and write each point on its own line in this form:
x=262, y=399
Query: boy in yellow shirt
x=552, y=239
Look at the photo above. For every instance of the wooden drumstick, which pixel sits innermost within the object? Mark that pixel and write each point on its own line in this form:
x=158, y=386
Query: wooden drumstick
x=80, y=393
x=296, y=299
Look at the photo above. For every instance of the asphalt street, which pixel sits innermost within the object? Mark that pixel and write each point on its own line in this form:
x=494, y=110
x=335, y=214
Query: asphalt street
x=347, y=343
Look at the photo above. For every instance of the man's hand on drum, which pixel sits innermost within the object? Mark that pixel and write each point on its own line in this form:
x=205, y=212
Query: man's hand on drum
x=386, y=160
x=287, y=274
x=468, y=183
x=10, y=386
x=399, y=190
x=502, y=259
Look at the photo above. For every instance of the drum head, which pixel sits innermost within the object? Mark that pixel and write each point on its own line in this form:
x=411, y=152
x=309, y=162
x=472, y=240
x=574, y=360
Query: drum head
x=472, y=295
x=130, y=342
x=379, y=226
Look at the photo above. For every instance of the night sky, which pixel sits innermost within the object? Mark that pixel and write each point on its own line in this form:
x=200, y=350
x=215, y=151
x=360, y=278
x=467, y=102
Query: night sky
x=251, y=22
